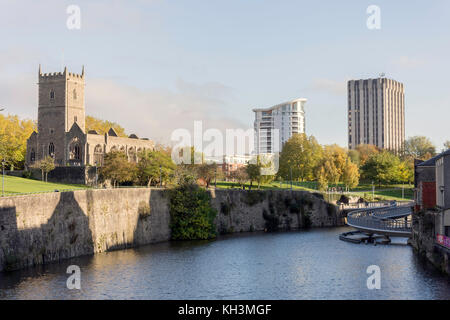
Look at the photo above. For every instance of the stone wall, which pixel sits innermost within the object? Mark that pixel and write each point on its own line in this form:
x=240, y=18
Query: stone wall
x=425, y=224
x=37, y=229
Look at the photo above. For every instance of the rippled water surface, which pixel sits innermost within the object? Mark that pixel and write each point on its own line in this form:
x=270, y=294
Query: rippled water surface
x=293, y=265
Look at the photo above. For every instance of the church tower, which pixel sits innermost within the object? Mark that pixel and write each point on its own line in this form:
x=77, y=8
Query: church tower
x=61, y=105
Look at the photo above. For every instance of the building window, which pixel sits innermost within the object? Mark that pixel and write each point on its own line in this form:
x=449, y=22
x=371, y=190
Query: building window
x=52, y=94
x=32, y=155
x=98, y=155
x=51, y=149
x=75, y=151
x=74, y=94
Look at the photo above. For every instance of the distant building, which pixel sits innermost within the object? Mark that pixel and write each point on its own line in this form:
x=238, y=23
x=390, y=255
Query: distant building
x=230, y=163
x=376, y=113
x=288, y=118
x=61, y=126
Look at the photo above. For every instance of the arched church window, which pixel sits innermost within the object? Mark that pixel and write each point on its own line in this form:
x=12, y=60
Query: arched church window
x=74, y=94
x=75, y=151
x=51, y=149
x=32, y=155
x=98, y=155
x=52, y=94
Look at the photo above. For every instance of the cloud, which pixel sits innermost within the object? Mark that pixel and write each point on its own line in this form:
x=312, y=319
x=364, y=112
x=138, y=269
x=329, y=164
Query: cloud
x=329, y=86
x=156, y=113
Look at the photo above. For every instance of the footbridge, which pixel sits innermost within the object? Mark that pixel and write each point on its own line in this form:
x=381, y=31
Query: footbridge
x=391, y=221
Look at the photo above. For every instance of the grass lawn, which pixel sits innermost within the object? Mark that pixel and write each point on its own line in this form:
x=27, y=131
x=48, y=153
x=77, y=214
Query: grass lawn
x=385, y=192
x=15, y=185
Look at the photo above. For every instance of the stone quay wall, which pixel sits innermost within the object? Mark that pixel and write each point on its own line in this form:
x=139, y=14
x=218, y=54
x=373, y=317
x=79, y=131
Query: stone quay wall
x=50, y=227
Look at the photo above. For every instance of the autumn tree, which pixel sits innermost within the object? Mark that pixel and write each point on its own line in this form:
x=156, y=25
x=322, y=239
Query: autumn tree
x=301, y=154
x=365, y=151
x=103, y=126
x=419, y=147
x=350, y=174
x=14, y=133
x=207, y=172
x=240, y=175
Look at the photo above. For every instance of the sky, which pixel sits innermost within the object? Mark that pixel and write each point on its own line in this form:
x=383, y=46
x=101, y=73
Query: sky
x=155, y=66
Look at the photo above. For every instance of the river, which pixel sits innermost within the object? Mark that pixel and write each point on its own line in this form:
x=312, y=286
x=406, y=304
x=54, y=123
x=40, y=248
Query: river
x=311, y=264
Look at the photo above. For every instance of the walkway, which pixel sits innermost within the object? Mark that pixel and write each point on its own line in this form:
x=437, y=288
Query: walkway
x=393, y=221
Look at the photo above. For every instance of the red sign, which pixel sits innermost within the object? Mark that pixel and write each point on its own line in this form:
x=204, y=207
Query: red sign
x=443, y=240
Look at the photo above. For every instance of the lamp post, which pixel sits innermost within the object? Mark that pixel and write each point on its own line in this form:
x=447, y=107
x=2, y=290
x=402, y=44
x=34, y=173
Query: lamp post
x=373, y=191
x=3, y=177
x=215, y=177
x=160, y=175
x=291, y=176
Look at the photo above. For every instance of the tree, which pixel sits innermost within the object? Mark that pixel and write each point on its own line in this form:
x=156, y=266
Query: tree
x=103, y=126
x=354, y=156
x=207, y=172
x=117, y=168
x=419, y=147
x=46, y=165
x=152, y=165
x=253, y=172
x=14, y=133
x=240, y=175
x=365, y=151
x=350, y=174
x=446, y=145
x=301, y=154
x=382, y=168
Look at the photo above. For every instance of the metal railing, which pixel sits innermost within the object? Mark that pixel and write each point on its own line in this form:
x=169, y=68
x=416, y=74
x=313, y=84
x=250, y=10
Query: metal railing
x=379, y=220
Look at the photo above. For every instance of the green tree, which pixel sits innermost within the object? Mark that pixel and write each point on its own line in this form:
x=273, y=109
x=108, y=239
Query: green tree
x=117, y=168
x=419, y=147
x=354, y=156
x=301, y=154
x=152, y=165
x=191, y=213
x=382, y=168
x=46, y=165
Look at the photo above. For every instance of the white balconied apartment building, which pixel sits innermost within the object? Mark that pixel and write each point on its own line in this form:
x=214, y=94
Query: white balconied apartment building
x=275, y=125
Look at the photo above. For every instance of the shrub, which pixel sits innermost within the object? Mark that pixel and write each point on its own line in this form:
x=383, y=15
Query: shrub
x=192, y=216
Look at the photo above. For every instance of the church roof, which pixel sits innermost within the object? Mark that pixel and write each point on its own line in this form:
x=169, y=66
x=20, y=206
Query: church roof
x=112, y=132
x=133, y=136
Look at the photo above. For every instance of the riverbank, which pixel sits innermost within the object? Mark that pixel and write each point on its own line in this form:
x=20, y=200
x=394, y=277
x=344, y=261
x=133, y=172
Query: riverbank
x=44, y=228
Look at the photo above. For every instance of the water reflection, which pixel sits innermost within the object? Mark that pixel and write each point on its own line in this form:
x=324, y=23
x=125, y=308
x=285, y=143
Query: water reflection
x=295, y=265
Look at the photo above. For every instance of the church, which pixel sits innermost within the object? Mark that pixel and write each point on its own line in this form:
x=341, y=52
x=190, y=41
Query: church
x=62, y=131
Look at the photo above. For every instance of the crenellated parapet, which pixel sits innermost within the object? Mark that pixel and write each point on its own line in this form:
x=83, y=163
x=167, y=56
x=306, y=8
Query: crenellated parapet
x=60, y=75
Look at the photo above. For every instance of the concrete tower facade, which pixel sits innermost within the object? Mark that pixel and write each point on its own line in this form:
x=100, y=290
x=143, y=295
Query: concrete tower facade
x=376, y=113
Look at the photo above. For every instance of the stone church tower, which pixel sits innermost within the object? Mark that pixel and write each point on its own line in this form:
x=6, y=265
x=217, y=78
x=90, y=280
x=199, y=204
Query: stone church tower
x=61, y=104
